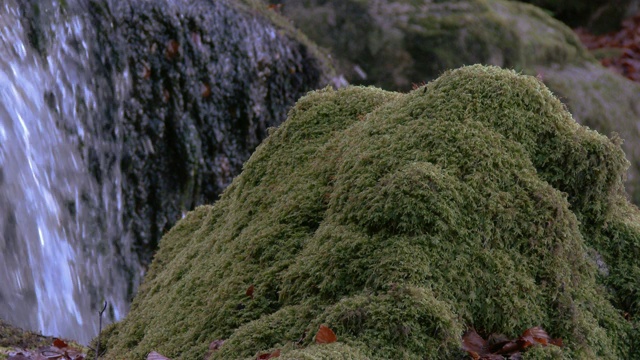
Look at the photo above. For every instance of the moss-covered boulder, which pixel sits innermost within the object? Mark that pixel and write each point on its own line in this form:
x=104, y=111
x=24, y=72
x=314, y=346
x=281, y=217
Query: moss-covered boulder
x=602, y=100
x=400, y=220
x=392, y=44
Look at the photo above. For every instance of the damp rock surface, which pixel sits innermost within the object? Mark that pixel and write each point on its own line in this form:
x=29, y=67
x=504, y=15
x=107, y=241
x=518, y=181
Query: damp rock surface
x=207, y=80
x=398, y=221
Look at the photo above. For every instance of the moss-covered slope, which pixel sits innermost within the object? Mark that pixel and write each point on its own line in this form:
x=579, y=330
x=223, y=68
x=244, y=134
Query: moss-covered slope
x=399, y=220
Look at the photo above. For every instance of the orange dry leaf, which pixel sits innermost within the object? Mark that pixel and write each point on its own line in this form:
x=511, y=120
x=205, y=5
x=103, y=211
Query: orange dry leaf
x=59, y=343
x=249, y=291
x=325, y=335
x=266, y=356
x=535, y=335
x=556, y=342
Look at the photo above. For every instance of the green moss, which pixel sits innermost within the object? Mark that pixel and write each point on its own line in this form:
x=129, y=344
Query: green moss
x=605, y=101
x=399, y=220
x=397, y=43
x=13, y=337
x=543, y=41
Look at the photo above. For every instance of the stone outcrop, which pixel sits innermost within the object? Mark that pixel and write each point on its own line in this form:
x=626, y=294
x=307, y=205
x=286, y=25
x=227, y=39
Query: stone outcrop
x=399, y=220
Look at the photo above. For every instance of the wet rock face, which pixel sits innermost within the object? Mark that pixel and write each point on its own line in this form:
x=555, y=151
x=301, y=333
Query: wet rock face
x=207, y=79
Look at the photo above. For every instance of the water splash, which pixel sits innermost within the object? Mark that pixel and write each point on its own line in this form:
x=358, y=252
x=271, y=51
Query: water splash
x=61, y=233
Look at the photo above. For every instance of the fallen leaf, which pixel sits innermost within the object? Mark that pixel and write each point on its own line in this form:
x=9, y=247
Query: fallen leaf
x=205, y=90
x=508, y=348
x=474, y=355
x=556, y=342
x=535, y=335
x=499, y=347
x=472, y=342
x=60, y=344
x=266, y=356
x=249, y=291
x=172, y=49
x=325, y=335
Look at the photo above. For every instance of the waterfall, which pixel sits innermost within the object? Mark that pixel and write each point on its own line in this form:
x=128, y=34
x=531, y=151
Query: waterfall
x=63, y=246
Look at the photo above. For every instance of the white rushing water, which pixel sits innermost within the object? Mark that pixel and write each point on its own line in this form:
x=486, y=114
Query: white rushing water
x=57, y=223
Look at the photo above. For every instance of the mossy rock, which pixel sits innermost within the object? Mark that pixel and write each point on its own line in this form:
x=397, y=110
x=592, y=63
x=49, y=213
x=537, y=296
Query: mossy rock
x=14, y=337
x=400, y=220
x=397, y=43
x=602, y=100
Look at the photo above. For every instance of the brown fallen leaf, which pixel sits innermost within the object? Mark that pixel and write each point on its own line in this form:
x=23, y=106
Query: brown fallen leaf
x=271, y=355
x=556, y=342
x=499, y=346
x=474, y=343
x=491, y=357
x=535, y=335
x=60, y=344
x=325, y=335
x=249, y=291
x=508, y=348
x=172, y=49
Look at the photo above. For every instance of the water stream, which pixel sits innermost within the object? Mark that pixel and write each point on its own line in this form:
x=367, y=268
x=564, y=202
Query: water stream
x=62, y=242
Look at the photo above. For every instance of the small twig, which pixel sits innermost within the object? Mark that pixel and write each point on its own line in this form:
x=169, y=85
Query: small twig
x=100, y=328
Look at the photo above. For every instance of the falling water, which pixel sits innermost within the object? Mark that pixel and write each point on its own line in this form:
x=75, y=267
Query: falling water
x=61, y=235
